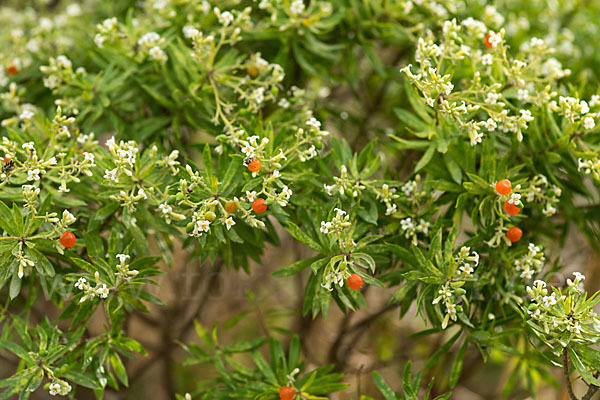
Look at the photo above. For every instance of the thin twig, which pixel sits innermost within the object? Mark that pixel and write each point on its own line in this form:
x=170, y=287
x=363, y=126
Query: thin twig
x=567, y=375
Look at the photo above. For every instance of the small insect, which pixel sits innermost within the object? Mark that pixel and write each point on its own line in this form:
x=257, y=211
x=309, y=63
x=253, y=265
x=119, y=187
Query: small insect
x=8, y=166
x=247, y=161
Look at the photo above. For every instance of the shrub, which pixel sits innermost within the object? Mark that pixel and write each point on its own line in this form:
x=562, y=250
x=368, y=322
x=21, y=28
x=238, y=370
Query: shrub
x=436, y=148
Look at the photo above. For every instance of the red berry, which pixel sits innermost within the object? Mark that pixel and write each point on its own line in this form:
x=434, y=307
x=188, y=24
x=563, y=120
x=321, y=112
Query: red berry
x=254, y=165
x=6, y=159
x=68, y=239
x=514, y=234
x=286, y=393
x=487, y=42
x=355, y=281
x=12, y=70
x=510, y=208
x=259, y=206
x=503, y=186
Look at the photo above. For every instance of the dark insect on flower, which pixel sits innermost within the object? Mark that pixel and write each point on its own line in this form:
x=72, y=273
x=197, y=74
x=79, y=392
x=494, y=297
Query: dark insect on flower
x=8, y=166
x=247, y=161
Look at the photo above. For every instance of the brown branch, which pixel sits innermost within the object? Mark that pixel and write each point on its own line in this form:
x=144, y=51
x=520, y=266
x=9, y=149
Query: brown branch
x=565, y=358
x=592, y=389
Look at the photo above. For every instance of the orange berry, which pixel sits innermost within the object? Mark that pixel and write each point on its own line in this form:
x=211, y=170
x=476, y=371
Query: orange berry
x=510, y=208
x=286, y=393
x=68, y=239
x=355, y=281
x=254, y=165
x=487, y=42
x=503, y=186
x=514, y=234
x=259, y=206
x=12, y=70
x=231, y=206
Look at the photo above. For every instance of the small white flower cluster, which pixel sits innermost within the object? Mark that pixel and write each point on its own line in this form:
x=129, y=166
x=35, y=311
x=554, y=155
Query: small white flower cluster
x=100, y=290
x=540, y=190
x=575, y=111
x=345, y=184
x=553, y=312
x=338, y=224
x=410, y=228
x=60, y=70
x=151, y=44
x=107, y=30
x=531, y=263
x=388, y=196
x=590, y=166
x=123, y=271
x=446, y=295
x=124, y=156
x=59, y=387
x=533, y=77
x=467, y=260
x=336, y=275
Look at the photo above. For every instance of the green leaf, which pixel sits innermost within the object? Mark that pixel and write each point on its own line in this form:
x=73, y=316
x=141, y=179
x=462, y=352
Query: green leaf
x=425, y=159
x=457, y=364
x=294, y=268
x=299, y=235
x=383, y=387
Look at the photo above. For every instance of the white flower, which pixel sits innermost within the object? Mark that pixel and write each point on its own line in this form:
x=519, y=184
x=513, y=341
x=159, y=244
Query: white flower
x=579, y=276
x=111, y=175
x=81, y=282
x=26, y=115
x=515, y=198
x=229, y=222
x=165, y=208
x=390, y=210
x=251, y=196
x=123, y=258
x=190, y=32
x=33, y=174
x=451, y=308
x=409, y=188
x=589, y=123
x=325, y=227
x=297, y=7
x=476, y=137
x=527, y=274
x=526, y=115
x=286, y=192
x=467, y=269
x=549, y=301
x=142, y=193
x=63, y=188
x=99, y=40
x=487, y=59
x=54, y=389
x=492, y=98
x=494, y=39
x=64, y=62
x=283, y=103
x=149, y=40
x=490, y=124
x=314, y=123
x=523, y=94
x=226, y=18
x=102, y=291
x=423, y=226
x=203, y=225
x=406, y=224
x=156, y=53
x=248, y=150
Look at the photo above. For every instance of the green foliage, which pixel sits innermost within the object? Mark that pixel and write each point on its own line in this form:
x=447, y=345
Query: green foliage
x=168, y=127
